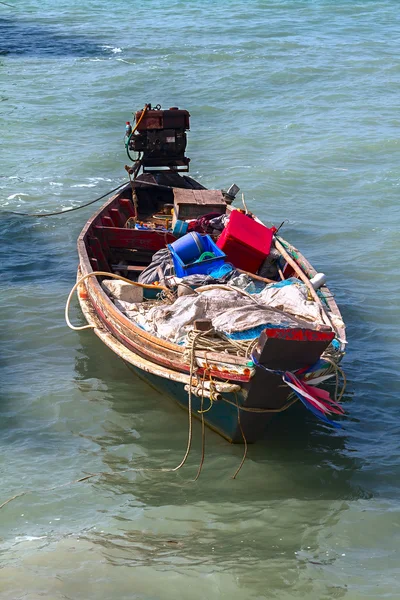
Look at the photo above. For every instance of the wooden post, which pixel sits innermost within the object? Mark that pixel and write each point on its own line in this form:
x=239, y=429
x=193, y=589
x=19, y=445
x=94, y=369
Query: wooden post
x=304, y=279
x=253, y=276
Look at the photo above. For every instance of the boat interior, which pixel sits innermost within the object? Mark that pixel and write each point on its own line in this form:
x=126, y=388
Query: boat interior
x=118, y=241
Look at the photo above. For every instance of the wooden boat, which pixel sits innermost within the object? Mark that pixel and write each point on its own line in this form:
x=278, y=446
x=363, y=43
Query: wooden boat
x=237, y=396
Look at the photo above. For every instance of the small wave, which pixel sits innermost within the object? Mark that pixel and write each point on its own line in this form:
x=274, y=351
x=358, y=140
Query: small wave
x=83, y=185
x=113, y=49
x=17, y=195
x=126, y=61
x=29, y=538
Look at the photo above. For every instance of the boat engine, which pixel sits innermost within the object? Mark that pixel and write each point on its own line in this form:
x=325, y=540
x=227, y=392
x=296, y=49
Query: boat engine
x=160, y=138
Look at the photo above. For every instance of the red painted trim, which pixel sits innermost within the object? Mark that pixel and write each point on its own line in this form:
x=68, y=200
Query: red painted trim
x=300, y=335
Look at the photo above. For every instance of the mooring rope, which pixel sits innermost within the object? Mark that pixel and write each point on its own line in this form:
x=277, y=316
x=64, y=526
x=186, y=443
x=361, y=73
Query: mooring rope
x=244, y=440
x=67, y=210
x=220, y=343
x=203, y=432
x=338, y=370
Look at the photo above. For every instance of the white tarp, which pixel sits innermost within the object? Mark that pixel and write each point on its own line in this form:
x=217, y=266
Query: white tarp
x=292, y=299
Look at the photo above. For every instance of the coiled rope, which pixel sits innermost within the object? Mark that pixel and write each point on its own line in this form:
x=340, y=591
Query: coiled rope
x=194, y=339
x=338, y=371
x=218, y=342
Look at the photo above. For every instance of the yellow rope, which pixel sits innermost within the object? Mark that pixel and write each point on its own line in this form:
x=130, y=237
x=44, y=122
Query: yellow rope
x=261, y=410
x=338, y=370
x=201, y=411
x=203, y=432
x=244, y=440
x=146, y=106
x=133, y=131
x=134, y=469
x=189, y=442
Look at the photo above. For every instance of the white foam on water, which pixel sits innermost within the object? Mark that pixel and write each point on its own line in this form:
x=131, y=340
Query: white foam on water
x=126, y=61
x=17, y=195
x=29, y=538
x=113, y=49
x=83, y=185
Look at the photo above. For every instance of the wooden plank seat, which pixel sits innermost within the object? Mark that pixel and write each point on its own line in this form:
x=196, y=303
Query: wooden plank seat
x=140, y=239
x=129, y=268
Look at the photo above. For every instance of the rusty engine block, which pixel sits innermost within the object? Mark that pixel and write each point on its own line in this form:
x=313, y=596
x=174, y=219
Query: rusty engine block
x=160, y=138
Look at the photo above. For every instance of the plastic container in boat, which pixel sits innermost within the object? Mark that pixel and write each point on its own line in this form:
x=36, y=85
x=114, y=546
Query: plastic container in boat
x=189, y=247
x=185, y=255
x=245, y=242
x=180, y=228
x=151, y=294
x=318, y=280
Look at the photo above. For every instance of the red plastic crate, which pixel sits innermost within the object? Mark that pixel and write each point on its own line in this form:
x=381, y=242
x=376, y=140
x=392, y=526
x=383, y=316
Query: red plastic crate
x=245, y=242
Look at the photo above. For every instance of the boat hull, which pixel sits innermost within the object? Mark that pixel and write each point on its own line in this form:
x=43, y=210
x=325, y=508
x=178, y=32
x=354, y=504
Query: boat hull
x=240, y=412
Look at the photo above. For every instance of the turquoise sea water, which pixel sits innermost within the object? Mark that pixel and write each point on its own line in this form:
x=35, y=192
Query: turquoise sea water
x=296, y=101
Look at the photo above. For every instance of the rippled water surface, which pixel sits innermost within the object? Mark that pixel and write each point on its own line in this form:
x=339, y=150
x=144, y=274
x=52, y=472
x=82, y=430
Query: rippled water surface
x=296, y=101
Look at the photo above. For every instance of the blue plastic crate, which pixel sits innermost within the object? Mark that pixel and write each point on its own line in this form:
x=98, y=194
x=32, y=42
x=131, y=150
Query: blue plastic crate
x=205, y=266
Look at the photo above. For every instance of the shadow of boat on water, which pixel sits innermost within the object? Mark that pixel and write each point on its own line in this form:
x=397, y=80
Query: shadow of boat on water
x=33, y=283
x=301, y=458
x=24, y=37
